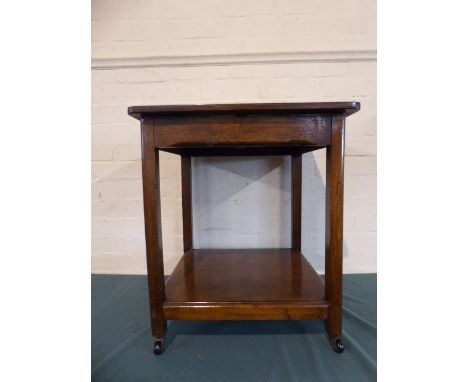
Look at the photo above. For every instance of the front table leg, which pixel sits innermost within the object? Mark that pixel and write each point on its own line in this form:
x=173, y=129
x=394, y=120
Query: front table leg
x=154, y=249
x=334, y=232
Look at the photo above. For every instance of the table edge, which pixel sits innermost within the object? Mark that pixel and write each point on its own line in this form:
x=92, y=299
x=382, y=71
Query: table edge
x=345, y=108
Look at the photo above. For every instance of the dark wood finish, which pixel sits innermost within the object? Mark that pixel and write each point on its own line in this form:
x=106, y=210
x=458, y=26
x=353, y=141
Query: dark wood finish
x=152, y=211
x=343, y=108
x=334, y=226
x=241, y=284
x=317, y=310
x=240, y=150
x=296, y=201
x=232, y=130
x=244, y=284
x=244, y=275
x=186, y=172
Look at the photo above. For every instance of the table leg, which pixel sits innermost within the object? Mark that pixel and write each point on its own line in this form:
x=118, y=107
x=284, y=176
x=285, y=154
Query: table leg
x=296, y=201
x=154, y=249
x=186, y=172
x=334, y=232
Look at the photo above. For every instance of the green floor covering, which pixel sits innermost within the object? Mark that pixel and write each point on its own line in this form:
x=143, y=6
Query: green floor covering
x=228, y=351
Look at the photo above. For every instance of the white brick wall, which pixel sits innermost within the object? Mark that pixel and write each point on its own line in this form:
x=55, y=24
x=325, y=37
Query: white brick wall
x=170, y=52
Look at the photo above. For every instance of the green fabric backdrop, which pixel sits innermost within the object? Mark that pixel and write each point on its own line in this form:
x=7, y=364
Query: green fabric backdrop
x=228, y=351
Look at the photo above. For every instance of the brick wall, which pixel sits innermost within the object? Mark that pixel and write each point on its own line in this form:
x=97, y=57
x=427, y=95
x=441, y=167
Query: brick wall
x=170, y=52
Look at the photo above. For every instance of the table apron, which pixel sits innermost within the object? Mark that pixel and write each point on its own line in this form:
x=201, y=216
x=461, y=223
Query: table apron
x=257, y=130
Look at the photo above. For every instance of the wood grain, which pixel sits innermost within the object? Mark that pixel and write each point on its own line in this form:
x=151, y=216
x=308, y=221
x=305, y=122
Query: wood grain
x=342, y=108
x=334, y=226
x=245, y=284
x=153, y=234
x=317, y=310
x=228, y=130
x=244, y=275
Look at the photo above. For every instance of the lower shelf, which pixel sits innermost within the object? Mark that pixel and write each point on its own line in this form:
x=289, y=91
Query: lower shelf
x=244, y=284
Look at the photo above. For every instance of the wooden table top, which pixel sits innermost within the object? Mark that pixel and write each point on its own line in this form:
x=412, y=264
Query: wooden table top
x=346, y=108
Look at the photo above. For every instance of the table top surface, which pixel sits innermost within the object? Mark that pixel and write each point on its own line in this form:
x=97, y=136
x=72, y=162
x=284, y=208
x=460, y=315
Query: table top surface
x=346, y=108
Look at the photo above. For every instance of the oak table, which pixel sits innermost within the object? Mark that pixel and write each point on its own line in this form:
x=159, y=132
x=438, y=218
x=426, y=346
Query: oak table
x=244, y=284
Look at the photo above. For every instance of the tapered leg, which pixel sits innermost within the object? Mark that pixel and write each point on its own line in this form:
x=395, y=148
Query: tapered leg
x=186, y=171
x=296, y=201
x=334, y=231
x=154, y=249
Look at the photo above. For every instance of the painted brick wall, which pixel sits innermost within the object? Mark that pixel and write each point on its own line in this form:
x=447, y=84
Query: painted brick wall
x=170, y=52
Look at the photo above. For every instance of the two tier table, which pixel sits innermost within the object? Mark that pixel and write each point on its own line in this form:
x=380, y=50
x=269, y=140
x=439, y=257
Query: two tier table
x=244, y=284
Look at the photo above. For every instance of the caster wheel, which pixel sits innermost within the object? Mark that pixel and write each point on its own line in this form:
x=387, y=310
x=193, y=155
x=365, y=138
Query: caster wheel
x=157, y=349
x=337, y=345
